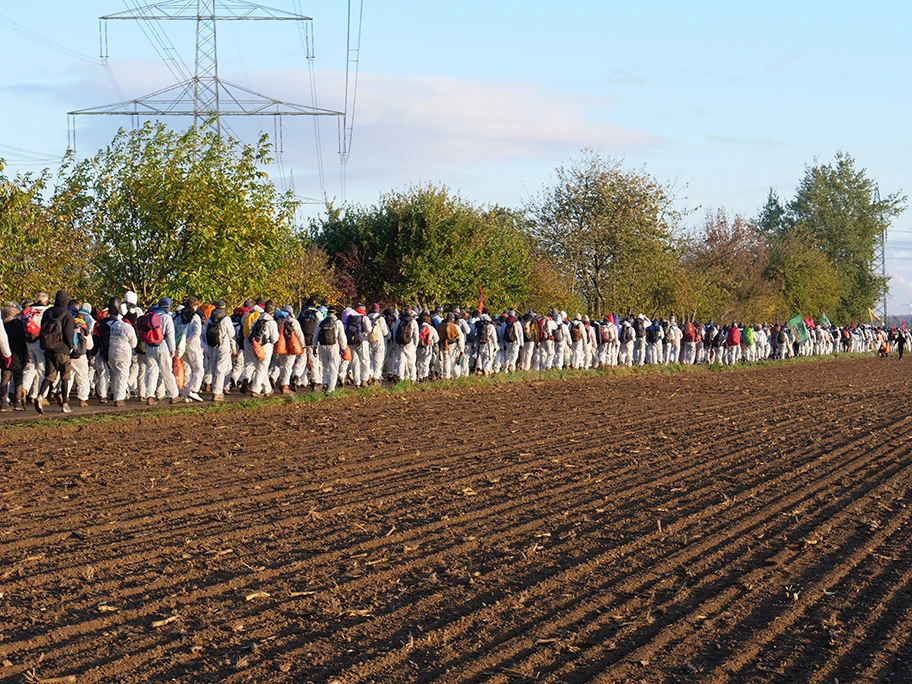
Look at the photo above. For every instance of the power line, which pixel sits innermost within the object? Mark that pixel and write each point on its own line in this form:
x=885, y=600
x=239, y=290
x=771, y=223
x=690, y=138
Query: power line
x=62, y=49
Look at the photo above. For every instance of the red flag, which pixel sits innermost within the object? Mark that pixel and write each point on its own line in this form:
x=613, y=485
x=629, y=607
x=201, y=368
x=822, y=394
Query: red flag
x=904, y=325
x=480, y=300
x=852, y=323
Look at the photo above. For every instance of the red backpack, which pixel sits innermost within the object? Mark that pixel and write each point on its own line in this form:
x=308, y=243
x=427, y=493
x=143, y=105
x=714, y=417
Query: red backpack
x=31, y=320
x=150, y=328
x=689, y=334
x=734, y=336
x=424, y=336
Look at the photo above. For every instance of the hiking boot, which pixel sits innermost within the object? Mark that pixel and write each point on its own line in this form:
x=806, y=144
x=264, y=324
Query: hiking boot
x=286, y=389
x=103, y=400
x=66, y=408
x=194, y=396
x=256, y=395
x=83, y=403
x=20, y=399
x=39, y=407
x=218, y=397
x=151, y=401
x=120, y=404
x=175, y=400
x=45, y=402
x=5, y=405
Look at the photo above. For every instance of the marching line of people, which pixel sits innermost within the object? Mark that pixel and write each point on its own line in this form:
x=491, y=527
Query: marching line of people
x=126, y=352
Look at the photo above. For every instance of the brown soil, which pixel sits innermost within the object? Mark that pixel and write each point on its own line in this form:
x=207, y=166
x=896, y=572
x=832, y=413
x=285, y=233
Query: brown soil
x=706, y=527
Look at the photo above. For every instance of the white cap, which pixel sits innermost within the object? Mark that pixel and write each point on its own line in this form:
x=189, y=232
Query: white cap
x=131, y=298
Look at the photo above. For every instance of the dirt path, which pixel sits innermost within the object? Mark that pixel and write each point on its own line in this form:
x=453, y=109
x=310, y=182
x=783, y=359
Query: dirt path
x=705, y=527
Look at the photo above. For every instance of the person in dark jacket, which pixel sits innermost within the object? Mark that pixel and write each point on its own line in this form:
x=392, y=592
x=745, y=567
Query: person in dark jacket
x=57, y=342
x=13, y=366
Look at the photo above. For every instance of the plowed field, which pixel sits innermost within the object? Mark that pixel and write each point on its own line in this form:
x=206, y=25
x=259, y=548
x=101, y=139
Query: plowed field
x=750, y=526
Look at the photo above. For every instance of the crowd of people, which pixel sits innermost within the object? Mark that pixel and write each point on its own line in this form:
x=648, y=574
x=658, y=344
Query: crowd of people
x=125, y=352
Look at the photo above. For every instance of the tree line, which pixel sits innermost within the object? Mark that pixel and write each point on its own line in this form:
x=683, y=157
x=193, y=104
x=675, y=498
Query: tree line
x=163, y=212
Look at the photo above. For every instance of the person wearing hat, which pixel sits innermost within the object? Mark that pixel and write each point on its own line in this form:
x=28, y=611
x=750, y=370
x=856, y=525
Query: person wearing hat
x=330, y=342
x=289, y=327
x=486, y=345
x=14, y=352
x=260, y=386
x=308, y=369
x=130, y=311
x=357, y=330
x=222, y=341
x=159, y=357
x=378, y=340
x=116, y=340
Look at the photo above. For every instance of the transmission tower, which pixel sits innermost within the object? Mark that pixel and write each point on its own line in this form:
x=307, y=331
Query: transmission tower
x=880, y=257
x=205, y=95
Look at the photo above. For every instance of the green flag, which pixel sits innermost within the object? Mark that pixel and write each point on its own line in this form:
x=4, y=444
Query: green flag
x=798, y=328
x=825, y=322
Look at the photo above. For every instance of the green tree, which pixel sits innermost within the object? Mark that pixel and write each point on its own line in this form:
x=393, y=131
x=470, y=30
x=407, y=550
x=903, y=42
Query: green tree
x=835, y=210
x=773, y=218
x=807, y=280
x=426, y=246
x=612, y=231
x=39, y=252
x=171, y=213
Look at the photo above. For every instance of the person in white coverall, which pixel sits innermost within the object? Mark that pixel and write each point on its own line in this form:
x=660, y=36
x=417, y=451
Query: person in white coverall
x=191, y=348
x=330, y=341
x=160, y=356
x=406, y=335
x=425, y=352
x=259, y=382
x=358, y=328
x=121, y=343
x=33, y=373
x=221, y=354
x=378, y=340
x=288, y=361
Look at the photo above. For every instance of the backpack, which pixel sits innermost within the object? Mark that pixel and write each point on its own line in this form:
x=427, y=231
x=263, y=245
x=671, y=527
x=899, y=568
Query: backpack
x=689, y=334
x=51, y=337
x=846, y=335
x=483, y=331
x=150, y=329
x=734, y=337
x=102, y=335
x=326, y=333
x=212, y=330
x=542, y=329
x=308, y=321
x=424, y=336
x=404, y=332
x=32, y=324
x=576, y=332
x=601, y=333
x=293, y=345
x=80, y=333
x=749, y=336
x=248, y=322
x=530, y=330
x=640, y=326
x=258, y=331
x=510, y=331
x=376, y=334
x=652, y=334
x=281, y=344
x=558, y=335
x=626, y=334
x=781, y=338
x=719, y=339
x=354, y=331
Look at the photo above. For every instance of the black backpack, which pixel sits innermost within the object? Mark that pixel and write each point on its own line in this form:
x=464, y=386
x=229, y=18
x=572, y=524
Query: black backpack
x=258, y=331
x=510, y=331
x=404, y=332
x=627, y=334
x=52, y=336
x=354, y=330
x=652, y=334
x=212, y=330
x=326, y=334
x=482, y=328
x=308, y=321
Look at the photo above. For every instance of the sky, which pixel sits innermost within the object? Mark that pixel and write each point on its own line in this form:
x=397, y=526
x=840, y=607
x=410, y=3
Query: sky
x=721, y=100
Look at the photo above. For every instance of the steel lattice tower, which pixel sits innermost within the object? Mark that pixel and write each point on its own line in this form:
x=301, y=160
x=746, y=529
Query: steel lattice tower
x=880, y=257
x=204, y=95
